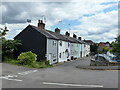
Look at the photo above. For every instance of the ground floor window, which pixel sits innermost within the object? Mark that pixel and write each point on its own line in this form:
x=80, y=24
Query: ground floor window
x=60, y=55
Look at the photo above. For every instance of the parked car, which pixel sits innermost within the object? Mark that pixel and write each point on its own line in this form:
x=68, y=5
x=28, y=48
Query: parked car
x=114, y=57
x=104, y=58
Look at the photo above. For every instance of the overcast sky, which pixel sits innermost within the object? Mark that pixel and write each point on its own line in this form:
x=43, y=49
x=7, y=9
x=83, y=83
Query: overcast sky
x=95, y=20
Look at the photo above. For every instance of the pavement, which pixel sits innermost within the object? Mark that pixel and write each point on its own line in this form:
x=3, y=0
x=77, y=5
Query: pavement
x=64, y=75
x=85, y=64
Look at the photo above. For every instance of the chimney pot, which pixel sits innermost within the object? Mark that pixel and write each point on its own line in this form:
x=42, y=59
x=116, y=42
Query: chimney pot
x=41, y=24
x=39, y=21
x=74, y=36
x=57, y=30
x=80, y=38
x=67, y=34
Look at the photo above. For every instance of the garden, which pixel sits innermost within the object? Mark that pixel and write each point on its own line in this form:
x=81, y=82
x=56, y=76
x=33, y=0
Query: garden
x=26, y=59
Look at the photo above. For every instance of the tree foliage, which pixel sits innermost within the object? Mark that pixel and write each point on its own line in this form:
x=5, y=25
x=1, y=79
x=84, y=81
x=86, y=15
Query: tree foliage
x=116, y=46
x=105, y=50
x=7, y=45
x=93, y=48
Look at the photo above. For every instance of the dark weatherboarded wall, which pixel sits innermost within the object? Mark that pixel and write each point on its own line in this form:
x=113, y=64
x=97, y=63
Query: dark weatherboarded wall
x=31, y=40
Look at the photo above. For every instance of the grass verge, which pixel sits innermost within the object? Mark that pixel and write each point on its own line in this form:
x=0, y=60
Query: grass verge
x=33, y=65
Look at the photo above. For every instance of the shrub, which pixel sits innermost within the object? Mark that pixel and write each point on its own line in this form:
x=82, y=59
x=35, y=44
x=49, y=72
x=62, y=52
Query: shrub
x=47, y=62
x=119, y=57
x=5, y=58
x=27, y=58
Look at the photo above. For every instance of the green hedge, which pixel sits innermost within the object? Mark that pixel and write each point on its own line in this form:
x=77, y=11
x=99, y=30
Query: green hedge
x=27, y=58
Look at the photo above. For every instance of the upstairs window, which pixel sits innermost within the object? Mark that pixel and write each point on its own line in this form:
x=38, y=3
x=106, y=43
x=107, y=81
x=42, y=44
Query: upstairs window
x=60, y=43
x=84, y=45
x=68, y=44
x=54, y=43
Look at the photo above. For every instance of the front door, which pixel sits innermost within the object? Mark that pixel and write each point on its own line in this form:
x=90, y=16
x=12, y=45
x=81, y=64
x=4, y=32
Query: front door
x=81, y=54
x=50, y=58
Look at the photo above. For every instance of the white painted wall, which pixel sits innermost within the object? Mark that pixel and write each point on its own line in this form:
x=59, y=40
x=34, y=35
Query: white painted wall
x=80, y=50
x=63, y=47
x=52, y=51
x=87, y=49
x=83, y=50
x=76, y=54
x=74, y=48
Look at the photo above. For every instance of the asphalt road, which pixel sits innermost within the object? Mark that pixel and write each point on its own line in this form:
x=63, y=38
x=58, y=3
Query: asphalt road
x=64, y=75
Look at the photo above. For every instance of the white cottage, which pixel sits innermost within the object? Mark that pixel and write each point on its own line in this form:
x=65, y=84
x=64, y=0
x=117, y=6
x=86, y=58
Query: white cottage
x=39, y=41
x=74, y=46
x=63, y=46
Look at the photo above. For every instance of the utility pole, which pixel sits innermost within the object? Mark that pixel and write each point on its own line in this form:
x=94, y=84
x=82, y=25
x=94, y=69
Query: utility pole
x=60, y=22
x=43, y=17
x=69, y=28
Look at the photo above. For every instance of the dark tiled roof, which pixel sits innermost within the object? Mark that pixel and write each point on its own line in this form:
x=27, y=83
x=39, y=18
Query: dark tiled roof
x=54, y=35
x=44, y=32
x=88, y=41
x=71, y=39
x=81, y=41
x=61, y=37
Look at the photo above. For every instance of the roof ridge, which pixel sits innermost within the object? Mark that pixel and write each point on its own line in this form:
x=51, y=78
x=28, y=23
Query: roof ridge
x=59, y=36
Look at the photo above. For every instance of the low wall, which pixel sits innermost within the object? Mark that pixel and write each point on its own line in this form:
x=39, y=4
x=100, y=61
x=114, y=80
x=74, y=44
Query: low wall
x=102, y=63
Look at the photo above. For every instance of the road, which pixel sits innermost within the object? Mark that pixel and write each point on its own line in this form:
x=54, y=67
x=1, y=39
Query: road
x=64, y=75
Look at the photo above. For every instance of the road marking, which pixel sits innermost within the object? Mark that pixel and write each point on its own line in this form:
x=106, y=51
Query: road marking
x=6, y=77
x=27, y=72
x=74, y=85
x=11, y=76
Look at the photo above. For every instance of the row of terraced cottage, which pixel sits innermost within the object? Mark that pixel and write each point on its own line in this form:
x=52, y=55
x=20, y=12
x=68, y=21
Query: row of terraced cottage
x=51, y=46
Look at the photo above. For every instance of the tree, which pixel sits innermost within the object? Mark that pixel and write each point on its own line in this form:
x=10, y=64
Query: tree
x=7, y=45
x=111, y=44
x=94, y=48
x=116, y=46
x=105, y=50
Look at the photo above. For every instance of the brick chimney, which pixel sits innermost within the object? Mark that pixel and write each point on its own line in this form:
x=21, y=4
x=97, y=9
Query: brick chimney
x=80, y=38
x=41, y=24
x=67, y=34
x=74, y=36
x=57, y=30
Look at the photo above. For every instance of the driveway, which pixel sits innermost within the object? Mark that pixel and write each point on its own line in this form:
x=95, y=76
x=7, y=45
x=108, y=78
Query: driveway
x=64, y=75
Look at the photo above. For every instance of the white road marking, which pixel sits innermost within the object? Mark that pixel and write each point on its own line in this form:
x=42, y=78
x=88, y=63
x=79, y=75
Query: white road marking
x=8, y=77
x=27, y=72
x=75, y=85
x=5, y=77
x=11, y=76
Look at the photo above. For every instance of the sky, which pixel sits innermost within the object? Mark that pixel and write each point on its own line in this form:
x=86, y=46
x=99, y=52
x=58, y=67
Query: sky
x=95, y=20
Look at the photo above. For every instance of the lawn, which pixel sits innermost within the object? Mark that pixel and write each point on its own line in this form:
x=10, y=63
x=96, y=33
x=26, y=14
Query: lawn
x=41, y=64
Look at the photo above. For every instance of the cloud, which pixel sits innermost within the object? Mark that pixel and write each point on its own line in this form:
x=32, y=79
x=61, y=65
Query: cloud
x=14, y=12
x=101, y=26
x=97, y=23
